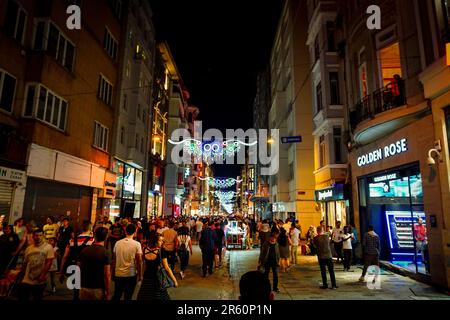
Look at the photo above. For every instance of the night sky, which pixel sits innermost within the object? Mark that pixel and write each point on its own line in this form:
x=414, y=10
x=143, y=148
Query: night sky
x=219, y=47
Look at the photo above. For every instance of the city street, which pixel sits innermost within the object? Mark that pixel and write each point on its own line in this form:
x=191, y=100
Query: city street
x=300, y=283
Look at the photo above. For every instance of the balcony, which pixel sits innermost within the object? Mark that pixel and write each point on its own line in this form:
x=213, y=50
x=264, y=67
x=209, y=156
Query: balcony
x=383, y=112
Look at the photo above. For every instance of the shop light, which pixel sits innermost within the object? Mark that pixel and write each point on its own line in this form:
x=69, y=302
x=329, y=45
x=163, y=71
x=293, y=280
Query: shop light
x=447, y=46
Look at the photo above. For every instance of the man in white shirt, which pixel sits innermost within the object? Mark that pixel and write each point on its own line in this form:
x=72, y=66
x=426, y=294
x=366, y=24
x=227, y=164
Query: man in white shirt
x=295, y=238
x=127, y=265
x=336, y=238
x=198, y=228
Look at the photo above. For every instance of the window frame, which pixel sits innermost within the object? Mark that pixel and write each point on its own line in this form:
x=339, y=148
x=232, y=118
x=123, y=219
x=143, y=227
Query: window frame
x=103, y=79
x=20, y=8
x=113, y=41
x=3, y=74
x=103, y=138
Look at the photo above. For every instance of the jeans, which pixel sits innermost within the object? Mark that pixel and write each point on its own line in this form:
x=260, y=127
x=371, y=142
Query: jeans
x=294, y=250
x=369, y=260
x=338, y=249
x=274, y=268
x=327, y=263
x=208, y=260
x=27, y=290
x=184, y=260
x=125, y=286
x=171, y=258
x=347, y=258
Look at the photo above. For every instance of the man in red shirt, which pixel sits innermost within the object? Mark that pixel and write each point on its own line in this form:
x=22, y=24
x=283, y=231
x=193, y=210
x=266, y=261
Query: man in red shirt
x=420, y=234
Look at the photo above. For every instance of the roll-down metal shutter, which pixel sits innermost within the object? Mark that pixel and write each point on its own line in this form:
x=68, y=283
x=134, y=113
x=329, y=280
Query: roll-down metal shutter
x=6, y=193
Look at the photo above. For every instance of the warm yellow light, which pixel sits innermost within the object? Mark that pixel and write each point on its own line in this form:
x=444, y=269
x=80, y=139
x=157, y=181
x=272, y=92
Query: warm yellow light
x=270, y=141
x=448, y=53
x=156, y=138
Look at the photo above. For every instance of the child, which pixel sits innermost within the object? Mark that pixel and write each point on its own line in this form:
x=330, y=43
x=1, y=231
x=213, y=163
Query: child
x=54, y=267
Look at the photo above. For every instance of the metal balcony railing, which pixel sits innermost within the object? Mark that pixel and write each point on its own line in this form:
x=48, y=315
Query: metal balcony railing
x=387, y=98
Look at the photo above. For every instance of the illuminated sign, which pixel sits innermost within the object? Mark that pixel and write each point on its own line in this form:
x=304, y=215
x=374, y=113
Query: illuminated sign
x=330, y=194
x=385, y=177
x=157, y=187
x=391, y=150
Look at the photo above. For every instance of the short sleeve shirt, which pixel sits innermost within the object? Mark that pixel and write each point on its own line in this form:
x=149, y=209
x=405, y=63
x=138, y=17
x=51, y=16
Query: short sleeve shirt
x=92, y=262
x=125, y=251
x=50, y=230
x=35, y=258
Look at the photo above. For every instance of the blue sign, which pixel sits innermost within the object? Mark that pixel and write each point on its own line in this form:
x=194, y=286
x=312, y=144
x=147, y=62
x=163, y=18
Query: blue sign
x=295, y=139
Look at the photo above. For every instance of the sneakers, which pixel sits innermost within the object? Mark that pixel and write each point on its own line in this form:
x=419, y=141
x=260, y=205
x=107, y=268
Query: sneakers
x=182, y=275
x=334, y=287
x=361, y=279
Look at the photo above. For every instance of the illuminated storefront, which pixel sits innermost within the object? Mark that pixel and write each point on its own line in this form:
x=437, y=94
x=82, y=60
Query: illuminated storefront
x=333, y=205
x=127, y=202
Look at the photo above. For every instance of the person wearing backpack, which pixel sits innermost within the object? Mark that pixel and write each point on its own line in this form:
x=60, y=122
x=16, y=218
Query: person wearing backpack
x=74, y=249
x=184, y=247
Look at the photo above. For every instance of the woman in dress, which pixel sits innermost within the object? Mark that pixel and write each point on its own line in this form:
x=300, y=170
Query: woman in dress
x=284, y=243
x=154, y=259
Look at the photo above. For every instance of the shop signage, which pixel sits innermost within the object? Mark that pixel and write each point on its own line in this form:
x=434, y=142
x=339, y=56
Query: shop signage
x=386, y=177
x=295, y=139
x=330, y=194
x=391, y=150
x=12, y=175
x=109, y=189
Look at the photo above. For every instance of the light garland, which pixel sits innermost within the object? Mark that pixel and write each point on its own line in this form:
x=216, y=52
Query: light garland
x=221, y=183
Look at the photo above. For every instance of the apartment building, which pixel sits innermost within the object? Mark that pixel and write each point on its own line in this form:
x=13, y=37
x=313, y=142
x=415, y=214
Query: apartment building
x=58, y=93
x=292, y=188
x=133, y=115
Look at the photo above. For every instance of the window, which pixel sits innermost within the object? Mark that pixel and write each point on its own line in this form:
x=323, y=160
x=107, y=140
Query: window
x=122, y=135
x=45, y=105
x=319, y=105
x=330, y=36
x=334, y=88
x=322, y=151
x=15, y=22
x=125, y=102
x=100, y=136
x=116, y=7
x=7, y=91
x=390, y=64
x=337, y=137
x=362, y=72
x=105, y=90
x=316, y=49
x=48, y=37
x=110, y=44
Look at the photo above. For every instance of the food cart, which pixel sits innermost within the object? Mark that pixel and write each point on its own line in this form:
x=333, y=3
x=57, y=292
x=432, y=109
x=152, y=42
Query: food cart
x=235, y=236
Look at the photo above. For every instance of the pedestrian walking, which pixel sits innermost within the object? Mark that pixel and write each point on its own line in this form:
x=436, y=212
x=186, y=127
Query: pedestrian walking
x=208, y=239
x=37, y=263
x=347, y=238
x=284, y=243
x=294, y=235
x=116, y=233
x=198, y=228
x=336, y=238
x=184, y=248
x=54, y=268
x=270, y=259
x=127, y=265
x=154, y=259
x=219, y=245
x=371, y=247
x=95, y=265
x=322, y=243
x=170, y=244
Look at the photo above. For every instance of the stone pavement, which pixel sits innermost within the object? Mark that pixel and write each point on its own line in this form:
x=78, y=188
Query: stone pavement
x=300, y=283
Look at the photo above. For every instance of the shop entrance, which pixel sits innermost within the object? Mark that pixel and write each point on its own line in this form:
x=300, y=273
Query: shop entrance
x=392, y=201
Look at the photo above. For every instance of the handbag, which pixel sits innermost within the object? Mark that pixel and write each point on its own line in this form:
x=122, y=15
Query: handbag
x=164, y=280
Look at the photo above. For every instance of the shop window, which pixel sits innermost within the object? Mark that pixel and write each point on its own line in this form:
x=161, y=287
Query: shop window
x=138, y=185
x=129, y=183
x=7, y=90
x=16, y=20
x=390, y=63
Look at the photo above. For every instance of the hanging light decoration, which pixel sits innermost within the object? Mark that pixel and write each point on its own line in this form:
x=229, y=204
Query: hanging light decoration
x=221, y=183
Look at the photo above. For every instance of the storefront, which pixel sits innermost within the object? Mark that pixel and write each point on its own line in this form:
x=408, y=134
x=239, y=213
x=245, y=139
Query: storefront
x=10, y=180
x=127, y=202
x=398, y=193
x=333, y=205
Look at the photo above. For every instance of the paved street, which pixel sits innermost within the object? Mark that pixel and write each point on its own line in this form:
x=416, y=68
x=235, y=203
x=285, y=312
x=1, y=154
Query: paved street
x=300, y=283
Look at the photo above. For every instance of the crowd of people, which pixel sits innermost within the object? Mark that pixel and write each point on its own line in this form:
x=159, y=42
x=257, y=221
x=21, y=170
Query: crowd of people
x=131, y=251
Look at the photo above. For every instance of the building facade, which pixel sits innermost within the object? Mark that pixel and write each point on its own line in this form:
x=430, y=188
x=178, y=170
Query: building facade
x=292, y=188
x=396, y=93
x=59, y=88
x=131, y=138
